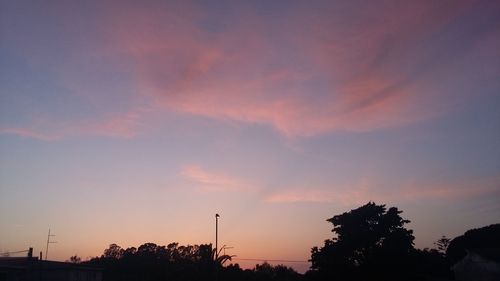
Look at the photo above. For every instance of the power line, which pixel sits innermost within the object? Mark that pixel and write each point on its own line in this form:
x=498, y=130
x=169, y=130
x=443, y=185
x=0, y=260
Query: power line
x=15, y=252
x=271, y=260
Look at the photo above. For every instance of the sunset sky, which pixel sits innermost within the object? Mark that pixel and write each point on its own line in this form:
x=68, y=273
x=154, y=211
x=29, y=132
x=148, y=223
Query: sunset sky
x=136, y=121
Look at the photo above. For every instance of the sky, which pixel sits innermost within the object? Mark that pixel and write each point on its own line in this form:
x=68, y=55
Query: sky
x=137, y=121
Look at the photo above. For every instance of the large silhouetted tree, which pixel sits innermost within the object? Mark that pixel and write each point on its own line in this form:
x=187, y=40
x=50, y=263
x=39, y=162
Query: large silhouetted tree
x=480, y=240
x=371, y=243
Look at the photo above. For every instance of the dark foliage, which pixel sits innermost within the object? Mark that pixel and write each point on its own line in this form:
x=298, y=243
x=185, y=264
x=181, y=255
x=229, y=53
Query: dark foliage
x=267, y=272
x=431, y=265
x=484, y=240
x=151, y=262
x=371, y=243
x=74, y=259
x=442, y=244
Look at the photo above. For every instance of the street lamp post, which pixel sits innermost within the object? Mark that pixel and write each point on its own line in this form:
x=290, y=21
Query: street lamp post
x=216, y=247
x=216, y=236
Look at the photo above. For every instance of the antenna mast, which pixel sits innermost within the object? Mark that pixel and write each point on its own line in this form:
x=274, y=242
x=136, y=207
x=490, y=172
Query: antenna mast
x=49, y=242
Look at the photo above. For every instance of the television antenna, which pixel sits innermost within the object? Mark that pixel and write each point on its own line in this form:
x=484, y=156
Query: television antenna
x=49, y=242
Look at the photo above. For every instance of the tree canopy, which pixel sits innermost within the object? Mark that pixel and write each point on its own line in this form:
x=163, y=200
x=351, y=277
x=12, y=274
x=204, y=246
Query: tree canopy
x=369, y=241
x=481, y=240
x=152, y=262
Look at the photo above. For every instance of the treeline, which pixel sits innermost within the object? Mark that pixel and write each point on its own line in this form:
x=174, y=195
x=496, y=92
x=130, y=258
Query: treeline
x=369, y=243
x=151, y=262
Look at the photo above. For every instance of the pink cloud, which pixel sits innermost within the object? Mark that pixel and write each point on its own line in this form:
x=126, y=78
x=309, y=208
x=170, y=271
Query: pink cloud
x=29, y=133
x=317, y=72
x=344, y=198
x=452, y=191
x=238, y=73
x=125, y=125
x=210, y=181
x=349, y=196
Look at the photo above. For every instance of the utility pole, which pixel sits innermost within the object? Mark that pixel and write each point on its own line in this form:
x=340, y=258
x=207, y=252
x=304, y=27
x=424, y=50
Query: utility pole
x=49, y=242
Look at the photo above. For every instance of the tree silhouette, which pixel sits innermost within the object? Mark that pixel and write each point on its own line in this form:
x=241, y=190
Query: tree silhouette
x=442, y=244
x=219, y=259
x=113, y=252
x=152, y=262
x=479, y=240
x=74, y=259
x=371, y=243
x=266, y=271
x=432, y=262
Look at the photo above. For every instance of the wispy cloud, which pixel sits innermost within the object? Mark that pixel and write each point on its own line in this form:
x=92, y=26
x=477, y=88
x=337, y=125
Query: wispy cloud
x=211, y=181
x=451, y=191
x=321, y=72
x=344, y=195
x=29, y=133
x=347, y=77
x=344, y=198
x=125, y=125
x=355, y=195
